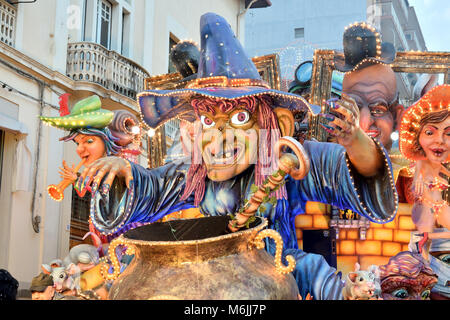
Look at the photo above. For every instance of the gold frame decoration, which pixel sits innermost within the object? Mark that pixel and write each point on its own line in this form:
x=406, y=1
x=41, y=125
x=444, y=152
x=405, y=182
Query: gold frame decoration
x=268, y=67
x=408, y=62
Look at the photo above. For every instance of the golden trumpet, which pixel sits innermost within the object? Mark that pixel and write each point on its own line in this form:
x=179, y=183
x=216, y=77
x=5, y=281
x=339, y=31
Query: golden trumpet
x=56, y=192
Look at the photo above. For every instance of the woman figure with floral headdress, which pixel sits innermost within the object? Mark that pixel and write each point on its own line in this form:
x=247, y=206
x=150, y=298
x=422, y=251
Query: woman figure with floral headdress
x=425, y=138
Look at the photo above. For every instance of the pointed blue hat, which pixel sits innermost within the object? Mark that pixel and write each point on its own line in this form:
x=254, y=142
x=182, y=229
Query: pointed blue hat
x=225, y=72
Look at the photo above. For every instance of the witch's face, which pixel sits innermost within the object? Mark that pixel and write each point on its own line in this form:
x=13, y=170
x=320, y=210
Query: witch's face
x=434, y=139
x=90, y=147
x=229, y=142
x=374, y=91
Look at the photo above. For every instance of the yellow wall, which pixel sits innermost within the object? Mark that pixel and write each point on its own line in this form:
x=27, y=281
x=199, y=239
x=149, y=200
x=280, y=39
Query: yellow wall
x=382, y=240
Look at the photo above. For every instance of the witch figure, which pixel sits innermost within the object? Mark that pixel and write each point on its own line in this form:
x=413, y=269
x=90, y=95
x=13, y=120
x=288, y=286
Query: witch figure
x=240, y=118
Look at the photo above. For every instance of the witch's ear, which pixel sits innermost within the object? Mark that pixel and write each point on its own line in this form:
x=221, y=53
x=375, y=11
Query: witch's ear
x=285, y=121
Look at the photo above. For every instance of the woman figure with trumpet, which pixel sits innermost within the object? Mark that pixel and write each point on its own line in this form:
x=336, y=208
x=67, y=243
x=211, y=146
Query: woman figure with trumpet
x=87, y=125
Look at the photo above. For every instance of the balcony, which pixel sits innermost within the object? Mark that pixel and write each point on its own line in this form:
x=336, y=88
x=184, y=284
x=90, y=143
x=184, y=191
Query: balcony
x=8, y=15
x=94, y=63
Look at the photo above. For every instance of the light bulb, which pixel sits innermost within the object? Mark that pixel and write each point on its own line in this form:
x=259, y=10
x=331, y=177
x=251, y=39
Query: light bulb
x=394, y=136
x=151, y=132
x=135, y=130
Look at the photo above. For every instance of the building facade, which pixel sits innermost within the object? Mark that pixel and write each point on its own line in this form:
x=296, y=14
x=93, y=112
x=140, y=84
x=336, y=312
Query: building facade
x=81, y=47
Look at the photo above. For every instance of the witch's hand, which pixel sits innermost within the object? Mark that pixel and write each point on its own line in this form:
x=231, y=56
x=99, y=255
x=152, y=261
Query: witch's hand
x=343, y=120
x=109, y=167
x=67, y=173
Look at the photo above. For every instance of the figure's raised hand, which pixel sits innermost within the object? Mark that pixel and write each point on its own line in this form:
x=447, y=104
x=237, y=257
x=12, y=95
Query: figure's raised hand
x=108, y=167
x=343, y=119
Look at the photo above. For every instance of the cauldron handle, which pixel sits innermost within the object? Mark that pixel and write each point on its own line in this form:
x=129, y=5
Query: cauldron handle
x=120, y=241
x=259, y=244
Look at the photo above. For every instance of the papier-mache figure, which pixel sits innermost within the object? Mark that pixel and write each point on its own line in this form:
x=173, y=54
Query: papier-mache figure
x=87, y=124
x=407, y=276
x=238, y=120
x=425, y=139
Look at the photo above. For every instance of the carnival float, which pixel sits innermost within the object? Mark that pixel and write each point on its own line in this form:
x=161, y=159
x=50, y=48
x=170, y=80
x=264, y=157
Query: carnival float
x=217, y=219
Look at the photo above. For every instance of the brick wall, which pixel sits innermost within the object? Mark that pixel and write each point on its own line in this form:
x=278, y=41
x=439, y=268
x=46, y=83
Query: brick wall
x=382, y=240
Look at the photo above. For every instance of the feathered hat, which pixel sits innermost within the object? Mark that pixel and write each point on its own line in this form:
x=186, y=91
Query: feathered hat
x=363, y=47
x=86, y=113
x=225, y=72
x=435, y=100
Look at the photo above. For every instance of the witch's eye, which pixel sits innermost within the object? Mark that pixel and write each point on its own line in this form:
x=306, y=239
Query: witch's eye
x=90, y=141
x=207, y=122
x=240, y=118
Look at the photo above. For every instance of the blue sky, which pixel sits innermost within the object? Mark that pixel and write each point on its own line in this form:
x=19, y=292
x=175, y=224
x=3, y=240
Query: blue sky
x=434, y=19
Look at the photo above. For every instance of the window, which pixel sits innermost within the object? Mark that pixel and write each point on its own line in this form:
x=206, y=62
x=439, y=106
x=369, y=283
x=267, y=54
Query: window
x=409, y=36
x=172, y=43
x=104, y=10
x=299, y=33
x=79, y=221
x=126, y=25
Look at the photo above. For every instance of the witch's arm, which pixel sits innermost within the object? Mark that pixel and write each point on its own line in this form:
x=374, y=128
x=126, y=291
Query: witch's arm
x=126, y=195
x=334, y=180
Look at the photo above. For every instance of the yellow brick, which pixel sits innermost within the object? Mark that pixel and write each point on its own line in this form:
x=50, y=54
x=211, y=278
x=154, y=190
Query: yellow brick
x=406, y=223
x=303, y=221
x=342, y=234
x=366, y=261
x=321, y=221
x=347, y=247
x=390, y=249
x=346, y=264
x=402, y=236
x=353, y=234
x=316, y=208
x=368, y=247
x=391, y=225
x=382, y=234
x=404, y=209
x=369, y=234
x=299, y=233
x=405, y=247
x=375, y=225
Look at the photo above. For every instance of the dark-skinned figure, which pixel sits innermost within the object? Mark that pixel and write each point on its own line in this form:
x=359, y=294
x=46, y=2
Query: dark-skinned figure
x=238, y=121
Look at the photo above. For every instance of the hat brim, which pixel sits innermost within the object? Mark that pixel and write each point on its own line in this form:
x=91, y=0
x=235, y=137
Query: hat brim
x=96, y=119
x=387, y=57
x=160, y=106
